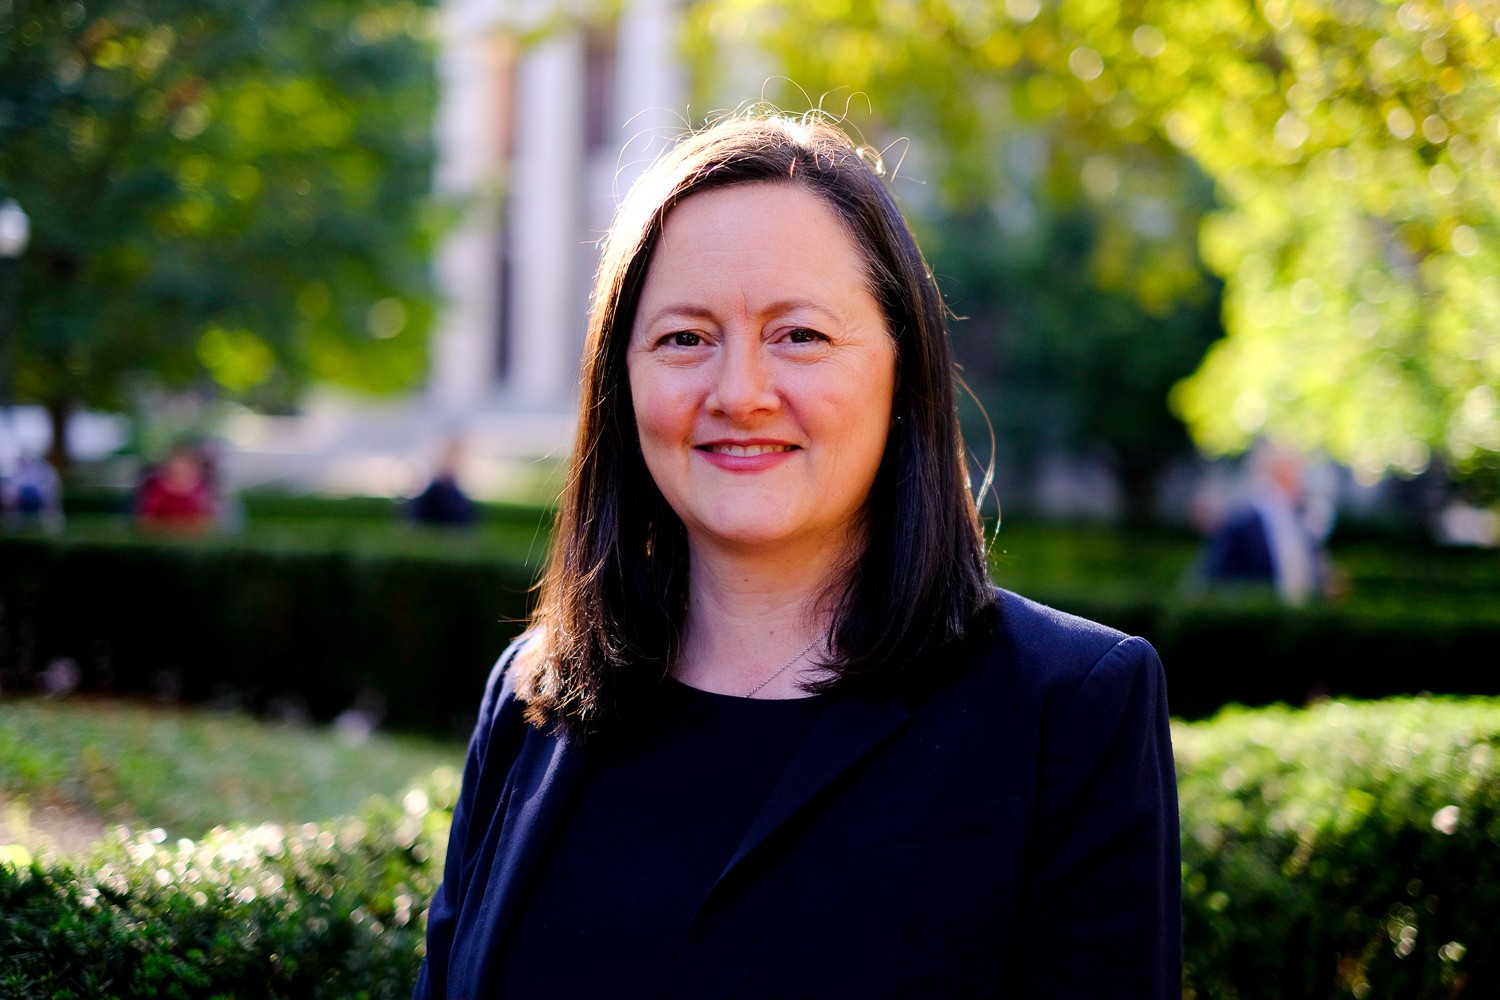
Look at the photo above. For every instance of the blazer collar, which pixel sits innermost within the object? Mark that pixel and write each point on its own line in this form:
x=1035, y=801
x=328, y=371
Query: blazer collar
x=846, y=732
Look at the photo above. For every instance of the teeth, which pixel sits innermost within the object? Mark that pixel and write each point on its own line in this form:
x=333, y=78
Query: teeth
x=750, y=449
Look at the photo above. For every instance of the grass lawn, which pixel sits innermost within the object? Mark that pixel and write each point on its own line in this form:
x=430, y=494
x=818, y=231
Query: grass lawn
x=70, y=770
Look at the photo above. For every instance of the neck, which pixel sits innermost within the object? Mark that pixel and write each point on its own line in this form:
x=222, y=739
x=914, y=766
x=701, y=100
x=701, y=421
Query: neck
x=749, y=615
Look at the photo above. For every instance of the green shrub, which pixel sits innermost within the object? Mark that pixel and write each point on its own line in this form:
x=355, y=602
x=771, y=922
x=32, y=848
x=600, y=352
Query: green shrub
x=316, y=912
x=1346, y=850
x=320, y=601
x=1349, y=850
x=255, y=624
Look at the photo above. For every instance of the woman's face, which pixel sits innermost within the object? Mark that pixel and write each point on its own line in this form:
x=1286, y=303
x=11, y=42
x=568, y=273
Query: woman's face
x=762, y=371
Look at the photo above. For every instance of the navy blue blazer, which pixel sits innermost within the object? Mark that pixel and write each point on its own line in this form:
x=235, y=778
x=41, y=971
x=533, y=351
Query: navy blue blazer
x=1011, y=832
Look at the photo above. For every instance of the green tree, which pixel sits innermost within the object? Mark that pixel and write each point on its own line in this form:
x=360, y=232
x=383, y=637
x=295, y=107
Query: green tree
x=1354, y=149
x=1358, y=155
x=1058, y=357
x=225, y=194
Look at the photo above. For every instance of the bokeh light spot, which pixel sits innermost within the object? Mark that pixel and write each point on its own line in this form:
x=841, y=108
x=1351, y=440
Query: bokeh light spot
x=1148, y=40
x=1464, y=240
x=1024, y=11
x=386, y=318
x=1442, y=178
x=1445, y=820
x=1291, y=131
x=1085, y=63
x=1400, y=123
x=1101, y=178
x=1182, y=130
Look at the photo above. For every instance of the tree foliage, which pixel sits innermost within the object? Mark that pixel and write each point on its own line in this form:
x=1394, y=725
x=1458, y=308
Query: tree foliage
x=224, y=193
x=1355, y=151
x=1058, y=352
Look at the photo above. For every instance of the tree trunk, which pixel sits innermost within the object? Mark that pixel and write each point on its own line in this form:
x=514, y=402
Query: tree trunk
x=1139, y=481
x=59, y=410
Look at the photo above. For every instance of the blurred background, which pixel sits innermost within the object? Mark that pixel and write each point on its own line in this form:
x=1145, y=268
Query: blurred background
x=333, y=237
x=292, y=298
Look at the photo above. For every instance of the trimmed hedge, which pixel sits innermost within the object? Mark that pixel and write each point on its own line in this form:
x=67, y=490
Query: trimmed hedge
x=333, y=912
x=299, y=624
x=1346, y=850
x=314, y=613
x=1350, y=850
x=1254, y=651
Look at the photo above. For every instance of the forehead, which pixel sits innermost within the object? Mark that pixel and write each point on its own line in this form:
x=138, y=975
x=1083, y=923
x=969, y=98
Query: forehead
x=754, y=200
x=785, y=232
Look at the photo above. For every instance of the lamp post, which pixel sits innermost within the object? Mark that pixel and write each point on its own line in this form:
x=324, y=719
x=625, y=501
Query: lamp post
x=15, y=233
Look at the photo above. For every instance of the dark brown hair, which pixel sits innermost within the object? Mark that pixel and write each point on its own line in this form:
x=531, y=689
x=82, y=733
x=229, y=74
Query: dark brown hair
x=606, y=625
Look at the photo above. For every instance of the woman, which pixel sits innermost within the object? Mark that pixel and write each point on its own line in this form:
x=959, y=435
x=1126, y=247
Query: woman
x=773, y=733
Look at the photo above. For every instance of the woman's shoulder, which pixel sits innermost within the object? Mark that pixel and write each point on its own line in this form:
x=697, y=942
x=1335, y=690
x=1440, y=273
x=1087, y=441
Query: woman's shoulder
x=500, y=700
x=1054, y=654
x=1031, y=619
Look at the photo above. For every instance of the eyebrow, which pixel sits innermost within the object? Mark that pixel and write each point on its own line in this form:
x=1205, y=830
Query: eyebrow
x=689, y=310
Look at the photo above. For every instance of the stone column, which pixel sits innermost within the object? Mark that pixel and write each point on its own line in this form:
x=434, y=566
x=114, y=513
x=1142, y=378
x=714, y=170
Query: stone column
x=651, y=93
x=545, y=216
x=469, y=126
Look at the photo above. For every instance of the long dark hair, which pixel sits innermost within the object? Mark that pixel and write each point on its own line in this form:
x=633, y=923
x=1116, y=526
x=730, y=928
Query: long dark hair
x=606, y=625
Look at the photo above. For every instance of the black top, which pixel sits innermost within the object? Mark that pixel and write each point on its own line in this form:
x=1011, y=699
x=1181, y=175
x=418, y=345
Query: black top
x=659, y=815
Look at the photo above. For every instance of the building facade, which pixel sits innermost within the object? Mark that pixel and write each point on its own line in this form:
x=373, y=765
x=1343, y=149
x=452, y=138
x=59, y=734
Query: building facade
x=544, y=121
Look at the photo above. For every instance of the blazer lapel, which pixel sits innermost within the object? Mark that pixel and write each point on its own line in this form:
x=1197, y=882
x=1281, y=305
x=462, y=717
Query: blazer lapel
x=547, y=773
x=843, y=735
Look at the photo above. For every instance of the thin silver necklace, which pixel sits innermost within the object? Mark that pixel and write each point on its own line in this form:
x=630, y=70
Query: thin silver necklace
x=785, y=666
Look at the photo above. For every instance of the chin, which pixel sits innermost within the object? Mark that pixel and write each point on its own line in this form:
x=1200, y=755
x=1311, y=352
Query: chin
x=749, y=538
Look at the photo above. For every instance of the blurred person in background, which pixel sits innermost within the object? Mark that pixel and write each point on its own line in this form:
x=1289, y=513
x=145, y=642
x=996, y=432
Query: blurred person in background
x=1276, y=535
x=773, y=732
x=178, y=495
x=31, y=496
x=443, y=501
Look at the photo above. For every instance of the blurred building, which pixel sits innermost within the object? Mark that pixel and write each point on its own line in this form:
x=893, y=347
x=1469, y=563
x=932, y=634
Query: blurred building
x=541, y=126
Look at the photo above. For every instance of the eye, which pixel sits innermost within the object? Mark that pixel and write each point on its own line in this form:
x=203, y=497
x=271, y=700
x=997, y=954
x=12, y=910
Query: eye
x=802, y=335
x=682, y=338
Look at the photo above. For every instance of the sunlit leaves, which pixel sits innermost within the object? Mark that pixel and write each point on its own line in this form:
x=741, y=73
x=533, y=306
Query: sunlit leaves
x=1367, y=178
x=237, y=359
x=1356, y=149
x=191, y=168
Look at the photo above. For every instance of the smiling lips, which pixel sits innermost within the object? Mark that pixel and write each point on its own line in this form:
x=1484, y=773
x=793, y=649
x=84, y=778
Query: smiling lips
x=745, y=456
x=744, y=450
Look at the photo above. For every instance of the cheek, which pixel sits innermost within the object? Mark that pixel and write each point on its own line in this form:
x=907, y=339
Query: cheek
x=866, y=406
x=880, y=417
x=660, y=415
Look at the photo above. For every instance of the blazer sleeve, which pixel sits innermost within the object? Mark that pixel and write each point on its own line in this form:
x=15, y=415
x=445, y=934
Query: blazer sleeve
x=1103, y=915
x=442, y=913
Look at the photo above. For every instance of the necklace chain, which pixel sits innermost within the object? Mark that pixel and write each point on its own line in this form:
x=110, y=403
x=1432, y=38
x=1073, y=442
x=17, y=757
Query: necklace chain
x=785, y=666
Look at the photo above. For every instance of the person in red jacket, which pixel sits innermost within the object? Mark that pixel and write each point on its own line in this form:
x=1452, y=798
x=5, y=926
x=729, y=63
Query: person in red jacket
x=177, y=496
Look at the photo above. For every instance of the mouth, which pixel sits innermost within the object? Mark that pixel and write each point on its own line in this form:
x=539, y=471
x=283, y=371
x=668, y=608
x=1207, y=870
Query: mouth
x=744, y=450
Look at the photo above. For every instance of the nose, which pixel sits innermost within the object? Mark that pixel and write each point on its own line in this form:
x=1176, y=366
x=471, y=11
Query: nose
x=744, y=383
